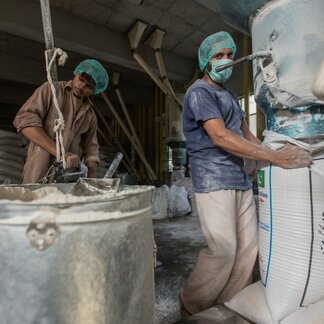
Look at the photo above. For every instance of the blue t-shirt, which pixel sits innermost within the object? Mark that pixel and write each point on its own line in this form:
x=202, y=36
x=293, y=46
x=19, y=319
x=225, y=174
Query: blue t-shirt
x=212, y=168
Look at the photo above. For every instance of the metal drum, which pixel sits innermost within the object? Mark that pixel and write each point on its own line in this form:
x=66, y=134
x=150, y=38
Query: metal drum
x=75, y=259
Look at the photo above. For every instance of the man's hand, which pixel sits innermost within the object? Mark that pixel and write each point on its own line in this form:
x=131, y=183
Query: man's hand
x=291, y=157
x=72, y=161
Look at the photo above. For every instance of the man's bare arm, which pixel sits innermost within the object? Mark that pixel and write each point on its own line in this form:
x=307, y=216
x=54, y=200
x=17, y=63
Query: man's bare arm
x=248, y=135
x=38, y=136
x=289, y=156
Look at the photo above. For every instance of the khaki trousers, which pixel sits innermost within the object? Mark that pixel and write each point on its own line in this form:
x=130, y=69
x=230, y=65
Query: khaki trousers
x=228, y=221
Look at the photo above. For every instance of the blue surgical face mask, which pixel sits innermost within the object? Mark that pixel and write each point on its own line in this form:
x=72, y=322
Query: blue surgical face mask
x=222, y=76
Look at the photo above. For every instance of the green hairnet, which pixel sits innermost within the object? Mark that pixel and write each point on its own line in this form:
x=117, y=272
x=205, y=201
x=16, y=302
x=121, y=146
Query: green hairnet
x=97, y=72
x=211, y=45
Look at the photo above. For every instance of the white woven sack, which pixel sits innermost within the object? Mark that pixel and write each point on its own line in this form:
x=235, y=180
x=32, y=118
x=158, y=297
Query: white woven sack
x=291, y=236
x=160, y=202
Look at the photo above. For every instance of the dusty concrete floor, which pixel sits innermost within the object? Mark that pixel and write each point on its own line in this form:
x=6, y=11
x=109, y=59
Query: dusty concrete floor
x=179, y=241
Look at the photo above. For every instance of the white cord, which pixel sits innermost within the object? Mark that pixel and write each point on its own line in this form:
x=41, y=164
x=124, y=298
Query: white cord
x=59, y=123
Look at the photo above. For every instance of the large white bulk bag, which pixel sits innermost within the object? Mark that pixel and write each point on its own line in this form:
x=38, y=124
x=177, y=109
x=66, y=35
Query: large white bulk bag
x=252, y=305
x=291, y=235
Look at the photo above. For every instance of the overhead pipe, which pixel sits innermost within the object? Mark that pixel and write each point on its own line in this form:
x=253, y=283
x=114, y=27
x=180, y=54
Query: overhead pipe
x=155, y=41
x=115, y=76
x=115, y=81
x=157, y=132
x=119, y=146
x=159, y=106
x=142, y=133
x=126, y=162
x=134, y=36
x=150, y=172
x=115, y=139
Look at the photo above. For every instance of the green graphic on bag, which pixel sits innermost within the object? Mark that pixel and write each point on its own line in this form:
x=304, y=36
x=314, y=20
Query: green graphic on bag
x=261, y=178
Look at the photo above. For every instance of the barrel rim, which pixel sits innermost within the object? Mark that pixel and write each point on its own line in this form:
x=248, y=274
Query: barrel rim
x=101, y=198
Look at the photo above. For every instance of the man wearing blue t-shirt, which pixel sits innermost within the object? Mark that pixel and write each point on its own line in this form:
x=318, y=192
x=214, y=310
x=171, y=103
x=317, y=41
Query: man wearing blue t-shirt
x=218, y=139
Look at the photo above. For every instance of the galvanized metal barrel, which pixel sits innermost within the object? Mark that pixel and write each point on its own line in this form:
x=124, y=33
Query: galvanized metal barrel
x=85, y=260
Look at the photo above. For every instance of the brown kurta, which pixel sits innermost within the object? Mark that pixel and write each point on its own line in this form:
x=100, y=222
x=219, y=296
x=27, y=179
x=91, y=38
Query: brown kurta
x=79, y=135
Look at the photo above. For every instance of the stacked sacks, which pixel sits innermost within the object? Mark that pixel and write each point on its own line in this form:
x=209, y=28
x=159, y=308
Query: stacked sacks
x=188, y=186
x=178, y=179
x=170, y=202
x=291, y=237
x=12, y=157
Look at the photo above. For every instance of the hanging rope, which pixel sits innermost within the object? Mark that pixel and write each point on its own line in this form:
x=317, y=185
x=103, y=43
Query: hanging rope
x=59, y=123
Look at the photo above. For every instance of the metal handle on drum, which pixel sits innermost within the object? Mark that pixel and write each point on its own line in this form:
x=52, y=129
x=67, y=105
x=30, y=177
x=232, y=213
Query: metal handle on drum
x=42, y=232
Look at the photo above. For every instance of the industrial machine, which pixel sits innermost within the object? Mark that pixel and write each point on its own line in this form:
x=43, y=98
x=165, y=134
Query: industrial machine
x=292, y=32
x=174, y=135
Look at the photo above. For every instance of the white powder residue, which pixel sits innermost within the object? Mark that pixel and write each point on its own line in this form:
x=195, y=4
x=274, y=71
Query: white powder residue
x=52, y=195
